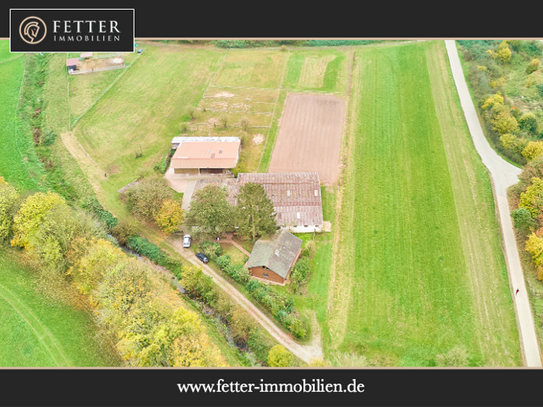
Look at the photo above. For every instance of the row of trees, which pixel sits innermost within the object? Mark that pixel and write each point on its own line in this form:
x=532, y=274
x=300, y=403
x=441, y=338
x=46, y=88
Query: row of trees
x=144, y=315
x=528, y=216
x=251, y=218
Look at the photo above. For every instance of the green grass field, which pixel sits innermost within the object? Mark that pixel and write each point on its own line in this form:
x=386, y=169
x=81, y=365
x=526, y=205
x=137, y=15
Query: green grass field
x=322, y=70
x=417, y=264
x=37, y=331
x=19, y=164
x=252, y=68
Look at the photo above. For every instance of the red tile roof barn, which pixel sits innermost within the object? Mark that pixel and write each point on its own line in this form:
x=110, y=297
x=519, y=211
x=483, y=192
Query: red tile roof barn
x=206, y=154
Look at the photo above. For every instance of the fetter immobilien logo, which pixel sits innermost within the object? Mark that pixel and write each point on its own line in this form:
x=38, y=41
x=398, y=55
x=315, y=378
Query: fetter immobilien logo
x=72, y=30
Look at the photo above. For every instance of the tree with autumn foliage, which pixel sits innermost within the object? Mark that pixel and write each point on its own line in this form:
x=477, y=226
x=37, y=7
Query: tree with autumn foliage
x=8, y=199
x=279, y=356
x=170, y=216
x=532, y=198
x=532, y=150
x=534, y=246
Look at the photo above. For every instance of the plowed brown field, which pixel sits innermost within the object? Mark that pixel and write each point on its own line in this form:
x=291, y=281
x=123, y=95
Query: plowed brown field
x=309, y=138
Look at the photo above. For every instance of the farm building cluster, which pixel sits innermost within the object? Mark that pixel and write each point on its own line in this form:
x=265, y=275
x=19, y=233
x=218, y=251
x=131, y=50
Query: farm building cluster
x=296, y=196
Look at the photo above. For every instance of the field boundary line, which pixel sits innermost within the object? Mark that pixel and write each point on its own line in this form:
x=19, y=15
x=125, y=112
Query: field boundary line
x=12, y=59
x=243, y=87
x=104, y=92
x=45, y=332
x=274, y=108
x=214, y=76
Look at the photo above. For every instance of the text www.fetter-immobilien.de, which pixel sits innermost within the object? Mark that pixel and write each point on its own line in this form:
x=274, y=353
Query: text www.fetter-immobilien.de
x=305, y=386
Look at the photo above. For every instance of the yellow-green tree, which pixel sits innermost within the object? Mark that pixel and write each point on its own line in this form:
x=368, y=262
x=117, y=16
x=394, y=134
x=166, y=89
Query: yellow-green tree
x=8, y=199
x=534, y=246
x=532, y=198
x=31, y=215
x=491, y=101
x=504, y=123
x=504, y=54
x=508, y=141
x=93, y=259
x=279, y=356
x=533, y=66
x=170, y=216
x=533, y=150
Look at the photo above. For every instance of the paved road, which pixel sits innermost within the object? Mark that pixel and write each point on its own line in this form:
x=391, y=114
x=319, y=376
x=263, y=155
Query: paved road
x=503, y=176
x=304, y=352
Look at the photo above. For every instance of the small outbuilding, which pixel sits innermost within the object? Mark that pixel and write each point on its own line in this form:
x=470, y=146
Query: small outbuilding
x=72, y=63
x=273, y=259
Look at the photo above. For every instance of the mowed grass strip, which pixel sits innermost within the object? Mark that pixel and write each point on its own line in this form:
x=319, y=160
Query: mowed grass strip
x=37, y=331
x=401, y=291
x=480, y=229
x=321, y=70
x=19, y=164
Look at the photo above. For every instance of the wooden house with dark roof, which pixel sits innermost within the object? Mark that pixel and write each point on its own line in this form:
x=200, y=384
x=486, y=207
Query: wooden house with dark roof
x=273, y=259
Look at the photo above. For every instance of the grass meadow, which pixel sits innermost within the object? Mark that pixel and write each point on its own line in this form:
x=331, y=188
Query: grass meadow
x=37, y=331
x=322, y=70
x=19, y=164
x=417, y=265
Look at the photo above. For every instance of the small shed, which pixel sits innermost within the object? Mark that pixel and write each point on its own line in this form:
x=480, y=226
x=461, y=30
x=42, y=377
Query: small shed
x=86, y=55
x=72, y=64
x=273, y=259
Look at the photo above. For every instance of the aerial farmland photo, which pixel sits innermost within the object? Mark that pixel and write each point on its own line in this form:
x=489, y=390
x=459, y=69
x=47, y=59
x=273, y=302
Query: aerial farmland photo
x=273, y=203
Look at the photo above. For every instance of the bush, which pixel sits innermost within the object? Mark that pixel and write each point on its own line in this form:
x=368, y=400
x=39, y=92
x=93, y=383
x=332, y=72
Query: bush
x=191, y=111
x=48, y=139
x=279, y=356
x=533, y=66
x=154, y=253
x=123, y=231
x=283, y=48
x=211, y=250
x=244, y=123
x=522, y=220
x=184, y=127
x=91, y=204
x=223, y=119
x=223, y=261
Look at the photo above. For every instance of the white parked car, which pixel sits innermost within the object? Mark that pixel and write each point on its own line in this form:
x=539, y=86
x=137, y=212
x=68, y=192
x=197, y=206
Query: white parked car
x=186, y=241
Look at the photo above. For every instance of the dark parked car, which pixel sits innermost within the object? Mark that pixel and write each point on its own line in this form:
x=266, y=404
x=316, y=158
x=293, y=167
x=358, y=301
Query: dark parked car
x=202, y=257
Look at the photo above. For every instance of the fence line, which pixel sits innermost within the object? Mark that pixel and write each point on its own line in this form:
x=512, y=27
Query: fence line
x=105, y=90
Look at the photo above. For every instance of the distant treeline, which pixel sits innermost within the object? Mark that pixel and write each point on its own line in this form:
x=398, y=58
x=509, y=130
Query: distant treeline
x=274, y=43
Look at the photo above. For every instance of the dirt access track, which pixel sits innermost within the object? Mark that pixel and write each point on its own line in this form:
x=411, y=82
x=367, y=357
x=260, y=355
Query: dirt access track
x=309, y=136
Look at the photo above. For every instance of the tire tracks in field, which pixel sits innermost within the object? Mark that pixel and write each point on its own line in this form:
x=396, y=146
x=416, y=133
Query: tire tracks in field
x=44, y=333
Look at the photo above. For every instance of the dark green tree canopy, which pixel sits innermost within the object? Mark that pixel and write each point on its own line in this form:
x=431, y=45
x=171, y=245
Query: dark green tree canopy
x=210, y=211
x=255, y=212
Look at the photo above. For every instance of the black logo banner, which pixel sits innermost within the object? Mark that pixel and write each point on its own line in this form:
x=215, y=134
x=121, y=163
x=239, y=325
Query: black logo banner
x=72, y=30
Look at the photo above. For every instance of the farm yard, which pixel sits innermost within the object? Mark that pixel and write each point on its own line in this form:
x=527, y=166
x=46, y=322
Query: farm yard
x=413, y=267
